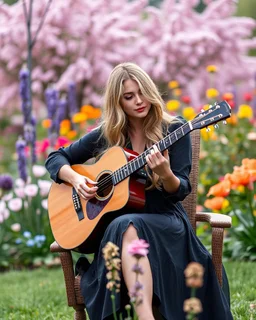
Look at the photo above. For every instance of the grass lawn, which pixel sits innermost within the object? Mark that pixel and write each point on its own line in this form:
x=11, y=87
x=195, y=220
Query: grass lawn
x=40, y=294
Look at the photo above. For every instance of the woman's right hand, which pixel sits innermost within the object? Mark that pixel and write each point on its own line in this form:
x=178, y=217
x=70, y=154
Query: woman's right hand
x=85, y=187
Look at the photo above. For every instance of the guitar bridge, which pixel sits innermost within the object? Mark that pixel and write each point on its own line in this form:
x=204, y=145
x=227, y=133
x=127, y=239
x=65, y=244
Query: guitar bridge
x=77, y=204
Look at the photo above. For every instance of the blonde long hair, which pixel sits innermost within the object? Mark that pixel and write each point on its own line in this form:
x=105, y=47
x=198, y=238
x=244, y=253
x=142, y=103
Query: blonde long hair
x=115, y=124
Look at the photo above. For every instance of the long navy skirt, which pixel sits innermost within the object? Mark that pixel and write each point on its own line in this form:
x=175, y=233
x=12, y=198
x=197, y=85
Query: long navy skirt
x=173, y=244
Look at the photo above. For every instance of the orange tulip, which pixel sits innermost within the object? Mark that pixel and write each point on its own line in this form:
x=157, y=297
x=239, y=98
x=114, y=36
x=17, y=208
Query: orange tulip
x=221, y=189
x=71, y=134
x=232, y=120
x=216, y=203
x=238, y=178
x=91, y=112
x=46, y=123
x=65, y=124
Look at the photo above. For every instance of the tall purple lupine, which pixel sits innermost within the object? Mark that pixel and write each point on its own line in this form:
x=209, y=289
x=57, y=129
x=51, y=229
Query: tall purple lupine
x=72, y=99
x=51, y=97
x=25, y=94
x=22, y=162
x=61, y=112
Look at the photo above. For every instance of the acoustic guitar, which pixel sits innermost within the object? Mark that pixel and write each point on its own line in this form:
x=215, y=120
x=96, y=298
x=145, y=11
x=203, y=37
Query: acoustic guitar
x=73, y=219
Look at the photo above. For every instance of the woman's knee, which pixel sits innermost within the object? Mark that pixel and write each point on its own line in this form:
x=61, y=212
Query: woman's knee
x=130, y=234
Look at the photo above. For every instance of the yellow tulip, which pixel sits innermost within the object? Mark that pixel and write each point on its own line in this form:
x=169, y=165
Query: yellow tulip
x=79, y=117
x=172, y=105
x=245, y=111
x=212, y=93
x=189, y=113
x=211, y=68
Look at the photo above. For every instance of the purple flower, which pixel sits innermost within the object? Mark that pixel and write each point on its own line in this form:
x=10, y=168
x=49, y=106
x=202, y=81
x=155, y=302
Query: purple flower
x=61, y=112
x=6, y=182
x=72, y=101
x=137, y=269
x=135, y=294
x=51, y=98
x=25, y=94
x=22, y=162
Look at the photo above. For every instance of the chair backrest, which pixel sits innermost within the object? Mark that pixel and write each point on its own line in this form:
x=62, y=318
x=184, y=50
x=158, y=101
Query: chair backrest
x=191, y=200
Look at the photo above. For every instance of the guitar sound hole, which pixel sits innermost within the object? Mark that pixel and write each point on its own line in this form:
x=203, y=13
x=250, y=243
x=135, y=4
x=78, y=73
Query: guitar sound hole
x=105, y=185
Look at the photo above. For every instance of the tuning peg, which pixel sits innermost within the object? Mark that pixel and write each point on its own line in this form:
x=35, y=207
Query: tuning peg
x=224, y=122
x=208, y=129
x=216, y=126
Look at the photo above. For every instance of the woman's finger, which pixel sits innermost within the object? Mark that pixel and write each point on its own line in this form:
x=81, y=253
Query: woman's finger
x=90, y=180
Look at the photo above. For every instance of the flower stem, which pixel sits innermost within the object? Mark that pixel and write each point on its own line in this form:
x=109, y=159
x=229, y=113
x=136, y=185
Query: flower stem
x=114, y=305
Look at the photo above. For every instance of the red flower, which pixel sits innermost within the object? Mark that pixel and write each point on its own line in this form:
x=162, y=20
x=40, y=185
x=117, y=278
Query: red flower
x=248, y=97
x=231, y=103
x=186, y=99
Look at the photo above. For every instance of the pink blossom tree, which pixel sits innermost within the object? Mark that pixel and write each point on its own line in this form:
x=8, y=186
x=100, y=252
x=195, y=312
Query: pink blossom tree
x=183, y=42
x=82, y=40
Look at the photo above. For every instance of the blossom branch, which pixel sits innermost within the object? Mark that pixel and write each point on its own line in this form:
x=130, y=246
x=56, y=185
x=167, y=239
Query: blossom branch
x=41, y=23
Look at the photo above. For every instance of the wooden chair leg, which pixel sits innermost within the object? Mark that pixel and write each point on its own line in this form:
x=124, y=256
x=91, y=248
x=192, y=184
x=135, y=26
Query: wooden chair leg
x=79, y=313
x=217, y=247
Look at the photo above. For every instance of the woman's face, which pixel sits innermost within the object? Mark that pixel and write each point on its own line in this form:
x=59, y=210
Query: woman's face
x=134, y=104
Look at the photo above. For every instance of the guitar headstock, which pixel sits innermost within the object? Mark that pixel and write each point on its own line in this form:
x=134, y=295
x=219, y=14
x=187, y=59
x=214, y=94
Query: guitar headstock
x=217, y=112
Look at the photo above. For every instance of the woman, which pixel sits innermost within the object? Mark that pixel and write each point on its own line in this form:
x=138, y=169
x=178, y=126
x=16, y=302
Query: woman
x=134, y=118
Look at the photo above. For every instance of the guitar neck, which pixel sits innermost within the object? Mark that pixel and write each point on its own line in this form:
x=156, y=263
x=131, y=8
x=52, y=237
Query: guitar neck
x=140, y=161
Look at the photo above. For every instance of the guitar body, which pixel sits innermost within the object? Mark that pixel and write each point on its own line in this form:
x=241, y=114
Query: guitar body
x=70, y=227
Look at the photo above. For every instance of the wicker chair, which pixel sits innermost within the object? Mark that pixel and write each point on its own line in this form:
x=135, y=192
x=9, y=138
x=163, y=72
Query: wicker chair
x=217, y=222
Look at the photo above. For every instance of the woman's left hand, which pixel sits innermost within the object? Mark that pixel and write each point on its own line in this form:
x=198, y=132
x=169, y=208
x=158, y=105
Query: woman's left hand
x=158, y=163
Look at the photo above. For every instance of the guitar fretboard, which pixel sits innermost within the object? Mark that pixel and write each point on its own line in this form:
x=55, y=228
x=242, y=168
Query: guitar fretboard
x=140, y=161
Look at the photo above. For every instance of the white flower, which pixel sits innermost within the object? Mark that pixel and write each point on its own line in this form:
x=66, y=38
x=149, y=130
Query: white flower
x=45, y=204
x=31, y=190
x=44, y=186
x=2, y=206
x=16, y=227
x=19, y=183
x=4, y=212
x=38, y=171
x=251, y=136
x=15, y=204
x=19, y=192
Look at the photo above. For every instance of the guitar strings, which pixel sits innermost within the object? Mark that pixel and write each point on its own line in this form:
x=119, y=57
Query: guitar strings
x=108, y=181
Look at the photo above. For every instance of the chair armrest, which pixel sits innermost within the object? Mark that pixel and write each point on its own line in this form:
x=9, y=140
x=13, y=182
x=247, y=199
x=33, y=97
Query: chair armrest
x=216, y=220
x=55, y=247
